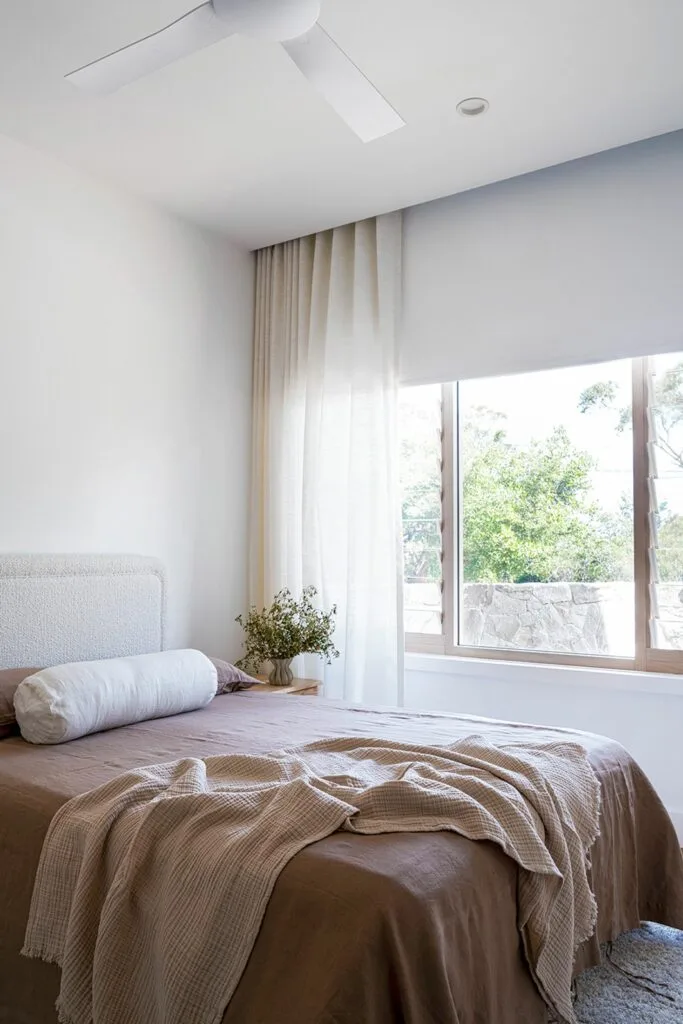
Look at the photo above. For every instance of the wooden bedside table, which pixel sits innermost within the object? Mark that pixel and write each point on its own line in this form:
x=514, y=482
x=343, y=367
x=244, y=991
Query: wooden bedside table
x=301, y=687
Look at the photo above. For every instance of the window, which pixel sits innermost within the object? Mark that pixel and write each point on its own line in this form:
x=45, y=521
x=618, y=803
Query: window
x=543, y=515
x=662, y=465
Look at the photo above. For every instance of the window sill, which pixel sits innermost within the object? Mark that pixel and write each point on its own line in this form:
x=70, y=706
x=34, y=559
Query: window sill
x=483, y=669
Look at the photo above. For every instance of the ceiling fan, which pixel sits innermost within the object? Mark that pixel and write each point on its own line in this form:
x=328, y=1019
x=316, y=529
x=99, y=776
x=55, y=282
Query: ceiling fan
x=293, y=23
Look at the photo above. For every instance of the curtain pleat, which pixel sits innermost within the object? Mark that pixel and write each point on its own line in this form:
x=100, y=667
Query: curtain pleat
x=325, y=501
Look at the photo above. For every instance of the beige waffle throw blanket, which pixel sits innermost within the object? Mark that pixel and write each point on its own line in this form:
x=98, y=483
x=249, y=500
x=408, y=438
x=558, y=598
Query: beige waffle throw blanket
x=151, y=888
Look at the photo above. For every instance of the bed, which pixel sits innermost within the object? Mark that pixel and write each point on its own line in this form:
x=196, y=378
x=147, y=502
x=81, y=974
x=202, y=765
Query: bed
x=415, y=927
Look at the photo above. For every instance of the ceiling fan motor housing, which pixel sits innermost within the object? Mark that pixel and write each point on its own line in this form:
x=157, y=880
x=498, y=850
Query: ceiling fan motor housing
x=279, y=20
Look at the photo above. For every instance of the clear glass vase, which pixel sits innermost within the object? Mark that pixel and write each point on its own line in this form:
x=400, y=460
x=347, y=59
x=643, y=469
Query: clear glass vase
x=281, y=674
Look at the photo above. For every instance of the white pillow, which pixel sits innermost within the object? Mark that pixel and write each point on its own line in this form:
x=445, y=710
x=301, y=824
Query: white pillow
x=62, y=703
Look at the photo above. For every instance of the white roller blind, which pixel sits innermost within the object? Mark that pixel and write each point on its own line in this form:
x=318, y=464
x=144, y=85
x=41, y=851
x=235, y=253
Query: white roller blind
x=575, y=264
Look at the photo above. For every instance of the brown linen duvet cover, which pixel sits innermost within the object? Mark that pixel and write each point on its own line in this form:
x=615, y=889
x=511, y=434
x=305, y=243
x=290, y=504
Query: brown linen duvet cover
x=417, y=927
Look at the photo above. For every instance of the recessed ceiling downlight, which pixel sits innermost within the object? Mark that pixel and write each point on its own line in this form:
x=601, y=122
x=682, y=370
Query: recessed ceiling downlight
x=472, y=106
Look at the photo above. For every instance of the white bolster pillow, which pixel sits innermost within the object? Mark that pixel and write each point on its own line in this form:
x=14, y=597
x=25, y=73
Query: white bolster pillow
x=68, y=701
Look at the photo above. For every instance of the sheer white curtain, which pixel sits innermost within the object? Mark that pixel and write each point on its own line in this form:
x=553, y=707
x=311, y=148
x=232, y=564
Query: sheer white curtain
x=325, y=504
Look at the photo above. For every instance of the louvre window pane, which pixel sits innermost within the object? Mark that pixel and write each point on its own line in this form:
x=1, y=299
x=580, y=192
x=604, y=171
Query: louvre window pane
x=665, y=467
x=421, y=491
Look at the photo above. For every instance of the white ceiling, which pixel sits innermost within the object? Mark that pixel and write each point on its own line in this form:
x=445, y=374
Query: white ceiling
x=234, y=138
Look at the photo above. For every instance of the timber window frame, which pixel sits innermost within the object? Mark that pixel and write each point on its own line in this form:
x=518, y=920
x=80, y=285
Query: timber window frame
x=647, y=657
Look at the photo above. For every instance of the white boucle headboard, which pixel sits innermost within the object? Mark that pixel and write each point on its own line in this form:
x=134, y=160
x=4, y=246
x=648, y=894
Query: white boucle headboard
x=62, y=608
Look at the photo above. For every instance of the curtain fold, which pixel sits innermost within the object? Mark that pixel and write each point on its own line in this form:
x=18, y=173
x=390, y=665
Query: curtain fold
x=325, y=504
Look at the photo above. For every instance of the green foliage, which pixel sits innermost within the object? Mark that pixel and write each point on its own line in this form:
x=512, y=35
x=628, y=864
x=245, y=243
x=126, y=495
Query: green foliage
x=668, y=412
x=528, y=515
x=286, y=629
x=669, y=545
x=600, y=395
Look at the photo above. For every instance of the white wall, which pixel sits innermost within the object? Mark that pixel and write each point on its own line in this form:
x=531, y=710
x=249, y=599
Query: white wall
x=125, y=382
x=572, y=264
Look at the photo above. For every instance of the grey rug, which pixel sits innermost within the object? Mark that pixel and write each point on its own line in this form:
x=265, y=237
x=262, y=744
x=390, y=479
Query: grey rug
x=640, y=980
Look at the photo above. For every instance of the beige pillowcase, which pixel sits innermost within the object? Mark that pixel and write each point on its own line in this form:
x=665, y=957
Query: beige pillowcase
x=9, y=681
x=231, y=678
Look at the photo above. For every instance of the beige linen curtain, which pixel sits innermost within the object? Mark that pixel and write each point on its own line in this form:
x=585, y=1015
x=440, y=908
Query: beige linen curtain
x=325, y=502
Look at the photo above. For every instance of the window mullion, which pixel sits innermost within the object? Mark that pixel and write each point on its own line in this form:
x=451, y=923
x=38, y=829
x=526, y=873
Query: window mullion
x=448, y=521
x=641, y=512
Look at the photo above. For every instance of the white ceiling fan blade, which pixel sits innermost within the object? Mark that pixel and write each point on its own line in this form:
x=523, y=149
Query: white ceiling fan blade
x=343, y=85
x=195, y=30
